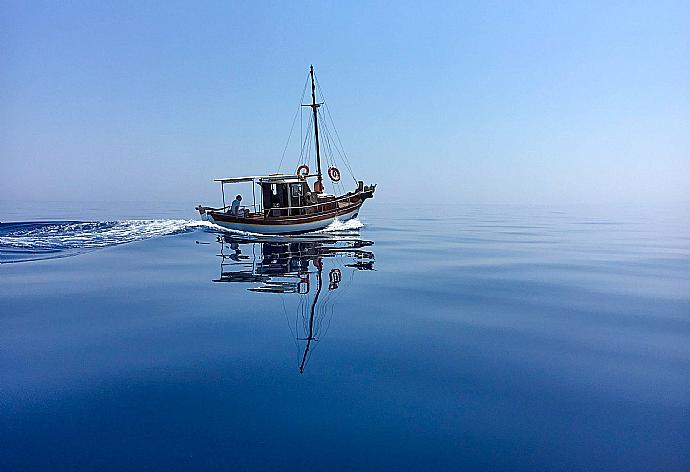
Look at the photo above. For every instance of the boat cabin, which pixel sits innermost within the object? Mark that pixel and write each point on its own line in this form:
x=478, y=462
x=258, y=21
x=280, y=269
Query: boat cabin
x=279, y=195
x=288, y=196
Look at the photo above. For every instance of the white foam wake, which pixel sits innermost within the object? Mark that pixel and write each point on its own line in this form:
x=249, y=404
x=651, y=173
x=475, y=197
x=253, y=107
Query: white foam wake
x=88, y=235
x=338, y=226
x=26, y=241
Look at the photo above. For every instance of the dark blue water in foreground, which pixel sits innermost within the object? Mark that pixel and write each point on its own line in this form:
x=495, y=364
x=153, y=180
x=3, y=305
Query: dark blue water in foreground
x=471, y=337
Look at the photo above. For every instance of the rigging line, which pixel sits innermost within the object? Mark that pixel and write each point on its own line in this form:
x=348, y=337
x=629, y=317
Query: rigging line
x=325, y=146
x=347, y=163
x=282, y=299
x=306, y=136
x=327, y=150
x=297, y=329
x=304, y=88
x=307, y=158
x=330, y=144
x=342, y=155
x=304, y=143
x=288, y=140
x=335, y=129
x=327, y=319
x=339, y=184
x=330, y=156
x=328, y=110
x=326, y=133
x=330, y=141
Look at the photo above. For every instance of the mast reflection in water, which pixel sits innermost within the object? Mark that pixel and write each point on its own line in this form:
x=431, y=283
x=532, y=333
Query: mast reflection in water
x=315, y=269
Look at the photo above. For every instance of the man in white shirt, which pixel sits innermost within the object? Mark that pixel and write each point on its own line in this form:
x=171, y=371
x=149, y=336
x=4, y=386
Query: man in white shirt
x=235, y=208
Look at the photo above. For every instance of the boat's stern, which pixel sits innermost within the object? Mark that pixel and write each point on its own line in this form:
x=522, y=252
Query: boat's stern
x=204, y=212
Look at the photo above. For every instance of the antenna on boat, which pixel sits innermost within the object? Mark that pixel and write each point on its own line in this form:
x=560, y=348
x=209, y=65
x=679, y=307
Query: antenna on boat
x=318, y=186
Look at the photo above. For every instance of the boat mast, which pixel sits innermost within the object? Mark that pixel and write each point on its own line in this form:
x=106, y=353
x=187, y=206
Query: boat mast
x=319, y=186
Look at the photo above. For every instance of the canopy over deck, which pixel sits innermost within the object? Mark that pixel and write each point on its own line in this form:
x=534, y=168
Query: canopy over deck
x=275, y=178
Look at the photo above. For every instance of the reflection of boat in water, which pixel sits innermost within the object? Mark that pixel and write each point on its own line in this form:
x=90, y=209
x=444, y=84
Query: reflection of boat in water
x=312, y=268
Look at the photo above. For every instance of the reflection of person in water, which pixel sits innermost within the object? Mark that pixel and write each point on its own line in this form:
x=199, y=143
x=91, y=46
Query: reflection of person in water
x=238, y=252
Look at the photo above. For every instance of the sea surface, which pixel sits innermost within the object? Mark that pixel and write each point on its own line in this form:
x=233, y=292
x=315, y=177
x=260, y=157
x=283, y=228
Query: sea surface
x=465, y=337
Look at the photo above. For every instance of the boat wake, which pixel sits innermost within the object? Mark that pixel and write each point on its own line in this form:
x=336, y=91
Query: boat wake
x=28, y=241
x=50, y=239
x=339, y=226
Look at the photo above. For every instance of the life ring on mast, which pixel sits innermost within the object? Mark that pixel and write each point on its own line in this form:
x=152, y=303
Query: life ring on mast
x=303, y=170
x=334, y=174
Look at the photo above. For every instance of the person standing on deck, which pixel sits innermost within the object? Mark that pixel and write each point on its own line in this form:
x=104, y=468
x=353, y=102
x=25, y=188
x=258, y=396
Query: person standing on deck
x=235, y=208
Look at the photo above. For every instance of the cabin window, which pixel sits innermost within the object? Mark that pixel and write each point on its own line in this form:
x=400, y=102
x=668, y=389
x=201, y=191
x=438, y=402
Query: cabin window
x=296, y=190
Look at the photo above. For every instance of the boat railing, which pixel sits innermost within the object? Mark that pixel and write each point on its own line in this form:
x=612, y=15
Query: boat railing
x=295, y=210
x=346, y=197
x=256, y=207
x=304, y=209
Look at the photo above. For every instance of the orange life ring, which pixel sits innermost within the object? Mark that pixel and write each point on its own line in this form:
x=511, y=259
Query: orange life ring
x=304, y=168
x=334, y=174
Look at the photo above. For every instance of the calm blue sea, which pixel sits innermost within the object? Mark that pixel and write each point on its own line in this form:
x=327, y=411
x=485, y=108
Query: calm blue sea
x=417, y=338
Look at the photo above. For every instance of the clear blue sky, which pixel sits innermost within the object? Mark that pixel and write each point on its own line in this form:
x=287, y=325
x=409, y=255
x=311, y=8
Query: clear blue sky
x=527, y=102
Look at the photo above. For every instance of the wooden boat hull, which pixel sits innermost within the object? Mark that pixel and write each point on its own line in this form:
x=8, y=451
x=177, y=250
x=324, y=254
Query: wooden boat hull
x=298, y=224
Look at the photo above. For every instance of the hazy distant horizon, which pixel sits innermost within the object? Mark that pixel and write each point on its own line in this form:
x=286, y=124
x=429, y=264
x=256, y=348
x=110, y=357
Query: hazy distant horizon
x=463, y=103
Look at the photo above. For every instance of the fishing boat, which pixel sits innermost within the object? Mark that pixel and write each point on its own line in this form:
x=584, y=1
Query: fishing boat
x=297, y=203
